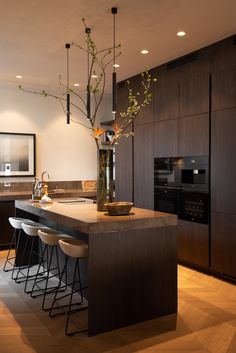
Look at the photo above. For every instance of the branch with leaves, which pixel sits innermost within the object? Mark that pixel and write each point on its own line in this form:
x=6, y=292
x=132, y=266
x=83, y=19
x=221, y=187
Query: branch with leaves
x=98, y=63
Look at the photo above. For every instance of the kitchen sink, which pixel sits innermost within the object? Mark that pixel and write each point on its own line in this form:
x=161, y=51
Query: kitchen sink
x=56, y=191
x=73, y=201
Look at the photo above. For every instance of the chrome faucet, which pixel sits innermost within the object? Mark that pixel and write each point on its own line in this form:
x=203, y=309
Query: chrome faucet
x=44, y=173
x=43, y=185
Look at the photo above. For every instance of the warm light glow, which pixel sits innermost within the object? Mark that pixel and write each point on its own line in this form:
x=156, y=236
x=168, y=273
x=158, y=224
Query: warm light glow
x=181, y=34
x=144, y=51
x=116, y=65
x=94, y=76
x=76, y=84
x=19, y=76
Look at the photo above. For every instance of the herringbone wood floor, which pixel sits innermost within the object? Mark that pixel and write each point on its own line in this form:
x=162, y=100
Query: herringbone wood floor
x=206, y=323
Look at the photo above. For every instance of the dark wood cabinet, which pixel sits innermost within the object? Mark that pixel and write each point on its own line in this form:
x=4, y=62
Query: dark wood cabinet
x=194, y=94
x=224, y=88
x=124, y=170
x=223, y=243
x=194, y=135
x=223, y=191
x=146, y=115
x=223, y=69
x=7, y=209
x=223, y=166
x=222, y=54
x=189, y=111
x=144, y=166
x=193, y=243
x=166, y=138
x=123, y=154
x=166, y=103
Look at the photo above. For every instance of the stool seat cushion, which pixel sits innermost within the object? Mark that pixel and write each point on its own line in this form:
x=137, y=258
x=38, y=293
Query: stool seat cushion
x=74, y=248
x=32, y=228
x=51, y=236
x=16, y=222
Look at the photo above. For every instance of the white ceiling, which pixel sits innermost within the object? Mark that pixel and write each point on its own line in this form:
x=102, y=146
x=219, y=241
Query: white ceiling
x=33, y=34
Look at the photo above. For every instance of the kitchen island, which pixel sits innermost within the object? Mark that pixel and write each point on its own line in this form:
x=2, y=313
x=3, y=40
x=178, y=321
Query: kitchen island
x=132, y=264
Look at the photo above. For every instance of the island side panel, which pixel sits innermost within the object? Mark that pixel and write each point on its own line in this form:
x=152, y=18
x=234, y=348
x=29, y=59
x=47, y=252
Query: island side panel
x=132, y=277
x=21, y=260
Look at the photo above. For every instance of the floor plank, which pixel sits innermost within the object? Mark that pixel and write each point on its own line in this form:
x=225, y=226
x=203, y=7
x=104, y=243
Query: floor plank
x=206, y=322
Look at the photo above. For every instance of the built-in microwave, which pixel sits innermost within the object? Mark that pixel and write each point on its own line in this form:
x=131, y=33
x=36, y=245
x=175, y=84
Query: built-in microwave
x=166, y=172
x=194, y=173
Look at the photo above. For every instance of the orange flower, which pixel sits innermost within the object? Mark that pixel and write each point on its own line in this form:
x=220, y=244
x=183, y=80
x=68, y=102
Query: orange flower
x=97, y=132
x=116, y=128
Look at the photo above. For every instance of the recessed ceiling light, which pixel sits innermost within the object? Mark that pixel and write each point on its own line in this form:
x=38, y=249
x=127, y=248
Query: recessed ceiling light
x=181, y=34
x=76, y=84
x=94, y=76
x=116, y=65
x=19, y=76
x=144, y=51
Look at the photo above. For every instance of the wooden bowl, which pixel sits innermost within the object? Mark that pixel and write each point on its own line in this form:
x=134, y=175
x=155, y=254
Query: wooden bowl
x=118, y=208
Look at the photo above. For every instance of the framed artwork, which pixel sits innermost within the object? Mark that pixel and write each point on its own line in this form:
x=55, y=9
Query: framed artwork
x=17, y=154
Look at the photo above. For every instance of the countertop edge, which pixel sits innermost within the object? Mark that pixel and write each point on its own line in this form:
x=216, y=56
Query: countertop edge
x=101, y=225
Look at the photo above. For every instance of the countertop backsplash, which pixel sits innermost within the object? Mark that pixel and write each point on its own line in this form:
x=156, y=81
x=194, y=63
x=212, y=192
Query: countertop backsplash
x=86, y=185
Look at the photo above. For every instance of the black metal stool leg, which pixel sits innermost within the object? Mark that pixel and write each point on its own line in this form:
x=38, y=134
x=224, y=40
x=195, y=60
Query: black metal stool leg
x=49, y=290
x=73, y=291
x=30, y=265
x=37, y=280
x=8, y=258
x=16, y=250
x=58, y=289
x=21, y=267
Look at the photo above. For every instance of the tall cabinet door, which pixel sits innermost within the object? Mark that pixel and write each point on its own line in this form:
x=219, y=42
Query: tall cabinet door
x=194, y=93
x=166, y=92
x=224, y=89
x=123, y=154
x=223, y=192
x=144, y=166
x=194, y=135
x=166, y=138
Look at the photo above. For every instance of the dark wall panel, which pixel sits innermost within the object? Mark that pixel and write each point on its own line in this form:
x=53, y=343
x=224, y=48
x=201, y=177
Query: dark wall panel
x=143, y=166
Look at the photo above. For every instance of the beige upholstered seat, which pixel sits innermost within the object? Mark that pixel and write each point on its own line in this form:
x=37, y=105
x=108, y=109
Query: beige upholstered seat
x=74, y=248
x=32, y=228
x=51, y=236
x=16, y=222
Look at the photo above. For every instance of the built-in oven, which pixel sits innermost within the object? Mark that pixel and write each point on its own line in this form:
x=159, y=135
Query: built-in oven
x=167, y=200
x=167, y=172
x=181, y=187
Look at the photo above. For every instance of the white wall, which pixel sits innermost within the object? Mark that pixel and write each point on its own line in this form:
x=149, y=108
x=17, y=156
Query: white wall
x=67, y=152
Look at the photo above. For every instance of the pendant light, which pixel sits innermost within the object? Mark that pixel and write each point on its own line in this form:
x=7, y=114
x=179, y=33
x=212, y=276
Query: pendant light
x=114, y=78
x=88, y=105
x=67, y=46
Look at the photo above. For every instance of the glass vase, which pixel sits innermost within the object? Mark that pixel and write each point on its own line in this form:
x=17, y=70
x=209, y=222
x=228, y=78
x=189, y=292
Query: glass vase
x=105, y=183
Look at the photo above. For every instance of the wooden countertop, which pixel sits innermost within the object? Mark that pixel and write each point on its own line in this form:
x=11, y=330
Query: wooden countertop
x=20, y=195
x=85, y=217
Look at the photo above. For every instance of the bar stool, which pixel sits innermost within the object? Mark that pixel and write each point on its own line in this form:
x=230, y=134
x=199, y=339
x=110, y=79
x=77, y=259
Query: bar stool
x=16, y=223
x=78, y=250
x=31, y=230
x=50, y=239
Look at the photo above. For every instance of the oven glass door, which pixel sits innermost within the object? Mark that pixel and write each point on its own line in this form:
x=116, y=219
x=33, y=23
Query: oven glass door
x=166, y=200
